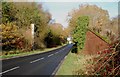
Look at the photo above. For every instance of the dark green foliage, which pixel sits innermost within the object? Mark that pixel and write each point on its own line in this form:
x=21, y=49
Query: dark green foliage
x=74, y=48
x=79, y=32
x=8, y=12
x=52, y=40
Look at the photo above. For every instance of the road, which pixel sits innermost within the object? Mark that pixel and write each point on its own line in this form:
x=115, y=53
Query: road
x=36, y=65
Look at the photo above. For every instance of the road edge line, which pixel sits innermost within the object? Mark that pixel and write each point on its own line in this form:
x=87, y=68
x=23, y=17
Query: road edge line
x=55, y=71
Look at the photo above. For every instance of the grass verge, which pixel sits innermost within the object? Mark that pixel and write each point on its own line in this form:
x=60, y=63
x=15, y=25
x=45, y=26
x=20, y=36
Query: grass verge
x=85, y=65
x=19, y=54
x=68, y=65
x=74, y=64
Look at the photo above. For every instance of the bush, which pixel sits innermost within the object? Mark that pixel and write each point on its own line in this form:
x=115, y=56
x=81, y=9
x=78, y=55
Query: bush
x=12, y=38
x=10, y=35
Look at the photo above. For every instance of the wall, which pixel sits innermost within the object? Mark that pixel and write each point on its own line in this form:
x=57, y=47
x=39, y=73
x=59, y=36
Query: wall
x=94, y=43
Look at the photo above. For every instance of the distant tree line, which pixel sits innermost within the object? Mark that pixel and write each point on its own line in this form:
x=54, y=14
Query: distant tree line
x=56, y=35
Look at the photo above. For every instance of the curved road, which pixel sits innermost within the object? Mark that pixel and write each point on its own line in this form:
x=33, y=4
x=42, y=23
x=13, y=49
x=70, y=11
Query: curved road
x=45, y=64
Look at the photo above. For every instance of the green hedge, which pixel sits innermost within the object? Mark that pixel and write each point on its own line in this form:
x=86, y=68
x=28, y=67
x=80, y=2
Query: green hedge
x=79, y=32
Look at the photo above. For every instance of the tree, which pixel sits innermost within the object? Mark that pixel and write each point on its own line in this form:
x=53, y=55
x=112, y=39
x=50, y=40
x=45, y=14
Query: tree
x=99, y=18
x=79, y=33
x=0, y=12
x=66, y=32
x=8, y=12
x=113, y=29
x=23, y=14
x=54, y=36
x=56, y=29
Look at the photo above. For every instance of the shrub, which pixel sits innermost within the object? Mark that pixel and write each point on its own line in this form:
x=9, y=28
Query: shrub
x=10, y=35
x=12, y=38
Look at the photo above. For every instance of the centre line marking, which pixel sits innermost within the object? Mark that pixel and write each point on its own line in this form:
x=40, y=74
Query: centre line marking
x=9, y=70
x=56, y=53
x=50, y=55
x=37, y=60
x=63, y=49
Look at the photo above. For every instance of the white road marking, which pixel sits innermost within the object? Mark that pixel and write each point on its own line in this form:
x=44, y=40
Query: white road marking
x=50, y=55
x=9, y=70
x=56, y=53
x=37, y=60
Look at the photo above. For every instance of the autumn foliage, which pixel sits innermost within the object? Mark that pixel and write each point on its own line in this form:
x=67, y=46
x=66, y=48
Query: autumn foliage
x=107, y=62
x=11, y=38
x=55, y=35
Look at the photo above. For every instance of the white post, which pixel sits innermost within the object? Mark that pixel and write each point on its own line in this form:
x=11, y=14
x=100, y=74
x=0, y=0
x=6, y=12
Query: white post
x=32, y=32
x=32, y=28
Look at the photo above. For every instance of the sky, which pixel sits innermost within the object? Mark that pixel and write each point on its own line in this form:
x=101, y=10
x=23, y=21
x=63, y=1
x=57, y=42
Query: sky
x=60, y=10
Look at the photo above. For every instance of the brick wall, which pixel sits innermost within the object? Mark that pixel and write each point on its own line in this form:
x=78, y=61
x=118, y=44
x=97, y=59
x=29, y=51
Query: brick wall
x=94, y=43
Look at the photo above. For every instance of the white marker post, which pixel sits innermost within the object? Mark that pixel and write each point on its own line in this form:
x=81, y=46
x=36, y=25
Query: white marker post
x=32, y=32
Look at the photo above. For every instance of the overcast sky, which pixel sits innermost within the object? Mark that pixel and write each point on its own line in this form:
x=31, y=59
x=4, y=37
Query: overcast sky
x=60, y=10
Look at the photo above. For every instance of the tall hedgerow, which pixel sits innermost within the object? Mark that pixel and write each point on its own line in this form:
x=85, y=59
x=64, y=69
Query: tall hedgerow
x=80, y=30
